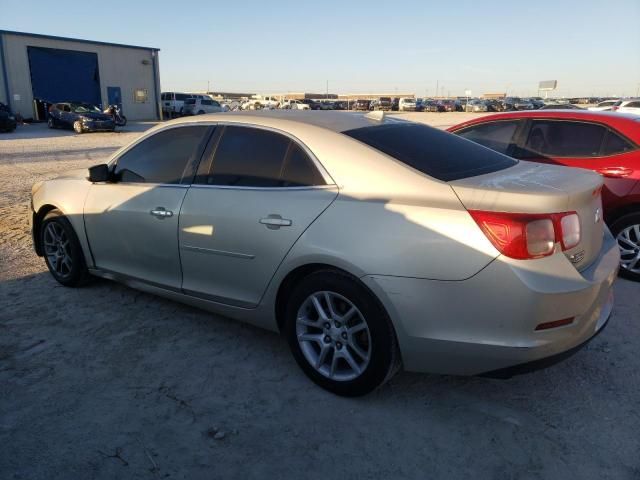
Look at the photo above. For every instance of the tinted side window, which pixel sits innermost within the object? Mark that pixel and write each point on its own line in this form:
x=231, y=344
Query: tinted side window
x=299, y=170
x=565, y=139
x=181, y=96
x=206, y=102
x=249, y=157
x=163, y=157
x=614, y=143
x=431, y=151
x=497, y=136
x=633, y=104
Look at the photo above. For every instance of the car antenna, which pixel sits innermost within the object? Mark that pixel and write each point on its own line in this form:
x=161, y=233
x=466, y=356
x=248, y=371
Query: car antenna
x=377, y=115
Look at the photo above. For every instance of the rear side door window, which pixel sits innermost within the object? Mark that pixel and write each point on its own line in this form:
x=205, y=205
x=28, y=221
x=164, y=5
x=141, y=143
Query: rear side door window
x=168, y=157
x=561, y=138
x=614, y=144
x=252, y=157
x=498, y=136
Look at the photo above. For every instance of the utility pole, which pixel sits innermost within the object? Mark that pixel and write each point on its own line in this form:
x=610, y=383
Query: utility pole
x=437, y=87
x=327, y=94
x=207, y=86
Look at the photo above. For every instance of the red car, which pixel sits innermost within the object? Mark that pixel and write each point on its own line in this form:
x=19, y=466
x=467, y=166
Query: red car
x=605, y=142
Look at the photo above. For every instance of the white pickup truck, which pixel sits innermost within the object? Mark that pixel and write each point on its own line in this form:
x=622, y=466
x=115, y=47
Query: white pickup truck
x=260, y=103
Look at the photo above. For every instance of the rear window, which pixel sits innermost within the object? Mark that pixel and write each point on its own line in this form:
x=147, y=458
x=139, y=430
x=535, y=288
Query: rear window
x=190, y=101
x=439, y=154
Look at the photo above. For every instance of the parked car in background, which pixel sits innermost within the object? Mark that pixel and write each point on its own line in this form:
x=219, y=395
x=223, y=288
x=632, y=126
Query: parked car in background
x=605, y=142
x=313, y=105
x=326, y=105
x=395, y=104
x=173, y=103
x=631, y=105
x=517, y=103
x=474, y=277
x=494, y=105
x=200, y=106
x=8, y=121
x=407, y=104
x=383, y=103
x=432, y=106
x=294, y=105
x=605, y=105
x=477, y=105
x=260, y=103
x=537, y=102
x=362, y=105
x=448, y=105
x=81, y=117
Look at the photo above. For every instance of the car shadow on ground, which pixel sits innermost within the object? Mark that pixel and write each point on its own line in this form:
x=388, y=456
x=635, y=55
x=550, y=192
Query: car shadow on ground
x=108, y=381
x=41, y=130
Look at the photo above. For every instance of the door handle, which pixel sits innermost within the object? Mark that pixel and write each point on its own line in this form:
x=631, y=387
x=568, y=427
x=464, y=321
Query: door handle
x=615, y=172
x=274, y=221
x=161, y=212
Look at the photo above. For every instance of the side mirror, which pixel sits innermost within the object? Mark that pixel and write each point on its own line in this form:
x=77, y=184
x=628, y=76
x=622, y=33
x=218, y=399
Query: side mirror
x=99, y=173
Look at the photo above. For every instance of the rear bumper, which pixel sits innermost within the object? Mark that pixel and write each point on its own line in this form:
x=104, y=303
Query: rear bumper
x=487, y=322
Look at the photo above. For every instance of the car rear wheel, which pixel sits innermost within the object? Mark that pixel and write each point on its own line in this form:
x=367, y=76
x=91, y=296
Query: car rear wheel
x=200, y=112
x=62, y=251
x=77, y=126
x=50, y=123
x=626, y=229
x=340, y=335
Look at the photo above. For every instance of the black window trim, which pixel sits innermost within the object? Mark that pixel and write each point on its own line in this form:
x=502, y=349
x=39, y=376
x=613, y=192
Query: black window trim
x=522, y=140
x=112, y=164
x=518, y=134
x=213, y=145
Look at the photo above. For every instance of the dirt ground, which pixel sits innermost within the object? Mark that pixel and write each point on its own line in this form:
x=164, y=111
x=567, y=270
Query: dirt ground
x=108, y=382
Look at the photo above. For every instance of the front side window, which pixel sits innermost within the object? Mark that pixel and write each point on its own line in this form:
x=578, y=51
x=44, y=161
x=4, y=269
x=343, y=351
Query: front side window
x=251, y=157
x=563, y=139
x=497, y=136
x=166, y=157
x=433, y=152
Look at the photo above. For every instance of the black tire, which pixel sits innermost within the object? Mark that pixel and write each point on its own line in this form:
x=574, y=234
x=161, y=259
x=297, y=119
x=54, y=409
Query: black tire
x=384, y=357
x=619, y=226
x=77, y=275
x=77, y=127
x=200, y=112
x=123, y=121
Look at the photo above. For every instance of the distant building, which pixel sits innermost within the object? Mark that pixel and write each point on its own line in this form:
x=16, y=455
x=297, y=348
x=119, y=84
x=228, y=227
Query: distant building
x=494, y=96
x=38, y=70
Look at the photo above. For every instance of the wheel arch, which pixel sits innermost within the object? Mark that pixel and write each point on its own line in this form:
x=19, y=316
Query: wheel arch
x=38, y=218
x=622, y=211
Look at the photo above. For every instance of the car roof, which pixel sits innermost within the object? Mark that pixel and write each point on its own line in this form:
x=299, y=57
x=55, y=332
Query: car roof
x=334, y=121
x=626, y=123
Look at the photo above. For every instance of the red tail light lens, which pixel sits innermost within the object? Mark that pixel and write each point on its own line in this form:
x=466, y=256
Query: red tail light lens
x=524, y=236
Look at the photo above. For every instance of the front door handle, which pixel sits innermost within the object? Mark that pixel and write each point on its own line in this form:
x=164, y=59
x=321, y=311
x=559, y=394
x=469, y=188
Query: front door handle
x=161, y=212
x=274, y=221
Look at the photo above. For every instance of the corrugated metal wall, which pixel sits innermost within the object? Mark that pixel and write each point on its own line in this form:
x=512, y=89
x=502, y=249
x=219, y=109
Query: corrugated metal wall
x=119, y=66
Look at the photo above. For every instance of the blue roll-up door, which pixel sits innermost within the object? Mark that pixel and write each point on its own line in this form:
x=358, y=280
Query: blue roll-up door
x=64, y=75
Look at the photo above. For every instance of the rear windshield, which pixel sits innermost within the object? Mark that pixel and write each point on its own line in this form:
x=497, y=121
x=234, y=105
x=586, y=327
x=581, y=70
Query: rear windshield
x=431, y=151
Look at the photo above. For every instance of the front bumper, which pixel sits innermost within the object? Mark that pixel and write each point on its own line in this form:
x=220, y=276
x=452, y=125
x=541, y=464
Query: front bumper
x=487, y=322
x=98, y=125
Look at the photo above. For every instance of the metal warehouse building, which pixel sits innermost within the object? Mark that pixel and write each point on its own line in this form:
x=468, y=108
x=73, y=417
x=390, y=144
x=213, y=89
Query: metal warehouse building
x=37, y=70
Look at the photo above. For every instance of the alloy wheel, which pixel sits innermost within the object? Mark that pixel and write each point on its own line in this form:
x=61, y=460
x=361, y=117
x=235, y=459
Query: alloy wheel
x=333, y=336
x=57, y=249
x=629, y=243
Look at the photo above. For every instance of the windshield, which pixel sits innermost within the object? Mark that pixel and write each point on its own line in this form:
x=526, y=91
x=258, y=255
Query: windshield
x=431, y=151
x=84, y=108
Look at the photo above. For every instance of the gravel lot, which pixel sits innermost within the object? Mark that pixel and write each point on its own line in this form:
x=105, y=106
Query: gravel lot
x=108, y=382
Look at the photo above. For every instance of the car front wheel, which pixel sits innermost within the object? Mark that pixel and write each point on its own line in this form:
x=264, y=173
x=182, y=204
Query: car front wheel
x=77, y=126
x=340, y=335
x=626, y=229
x=62, y=250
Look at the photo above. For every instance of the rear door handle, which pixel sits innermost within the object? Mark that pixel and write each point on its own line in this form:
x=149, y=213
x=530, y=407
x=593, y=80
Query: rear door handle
x=274, y=221
x=161, y=212
x=615, y=172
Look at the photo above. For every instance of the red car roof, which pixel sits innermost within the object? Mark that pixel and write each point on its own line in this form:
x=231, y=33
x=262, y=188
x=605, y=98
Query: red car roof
x=627, y=124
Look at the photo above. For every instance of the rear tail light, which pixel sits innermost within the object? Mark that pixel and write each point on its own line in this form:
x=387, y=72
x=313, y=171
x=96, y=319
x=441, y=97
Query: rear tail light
x=524, y=236
x=554, y=324
x=615, y=107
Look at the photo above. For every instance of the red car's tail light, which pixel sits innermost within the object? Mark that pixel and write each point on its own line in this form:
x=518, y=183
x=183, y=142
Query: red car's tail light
x=524, y=235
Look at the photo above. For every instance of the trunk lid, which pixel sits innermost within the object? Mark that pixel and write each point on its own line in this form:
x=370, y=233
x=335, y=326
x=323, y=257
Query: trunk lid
x=538, y=188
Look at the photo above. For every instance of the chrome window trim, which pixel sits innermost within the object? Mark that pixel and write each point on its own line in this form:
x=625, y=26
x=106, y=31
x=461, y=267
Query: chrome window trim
x=268, y=189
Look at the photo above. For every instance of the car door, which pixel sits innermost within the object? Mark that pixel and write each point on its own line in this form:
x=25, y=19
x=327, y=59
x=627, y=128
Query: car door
x=256, y=192
x=132, y=222
x=582, y=144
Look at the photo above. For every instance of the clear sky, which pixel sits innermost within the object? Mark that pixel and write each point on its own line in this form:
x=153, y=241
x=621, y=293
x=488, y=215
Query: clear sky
x=591, y=47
